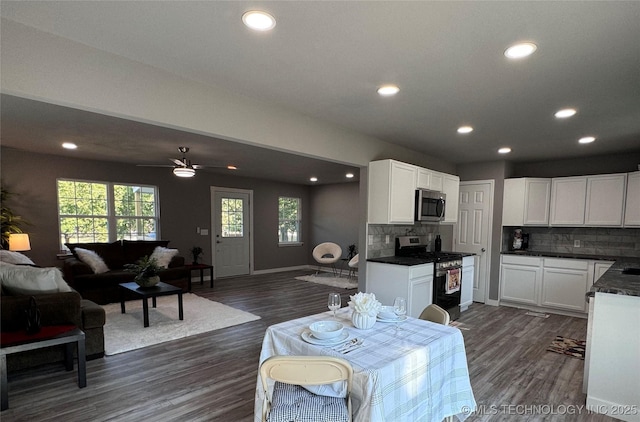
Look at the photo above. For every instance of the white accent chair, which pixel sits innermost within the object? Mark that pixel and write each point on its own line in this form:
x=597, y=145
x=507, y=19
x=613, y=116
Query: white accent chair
x=353, y=265
x=290, y=373
x=435, y=313
x=327, y=253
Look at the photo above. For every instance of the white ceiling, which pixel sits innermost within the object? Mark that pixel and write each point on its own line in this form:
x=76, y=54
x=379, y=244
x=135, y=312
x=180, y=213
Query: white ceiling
x=326, y=59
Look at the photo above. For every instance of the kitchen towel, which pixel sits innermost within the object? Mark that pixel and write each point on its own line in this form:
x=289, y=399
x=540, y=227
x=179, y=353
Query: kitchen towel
x=453, y=281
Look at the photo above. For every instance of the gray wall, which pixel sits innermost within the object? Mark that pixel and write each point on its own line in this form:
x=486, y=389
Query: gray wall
x=617, y=163
x=184, y=204
x=334, y=216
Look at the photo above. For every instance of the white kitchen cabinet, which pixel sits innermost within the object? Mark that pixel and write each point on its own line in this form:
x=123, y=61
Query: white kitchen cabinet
x=599, y=268
x=423, y=178
x=520, y=279
x=468, y=280
x=451, y=188
x=437, y=181
x=568, y=199
x=605, y=200
x=392, y=187
x=415, y=283
x=526, y=202
x=565, y=283
x=632, y=207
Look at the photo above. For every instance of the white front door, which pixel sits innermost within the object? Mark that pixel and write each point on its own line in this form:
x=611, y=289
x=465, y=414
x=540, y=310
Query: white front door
x=232, y=232
x=474, y=230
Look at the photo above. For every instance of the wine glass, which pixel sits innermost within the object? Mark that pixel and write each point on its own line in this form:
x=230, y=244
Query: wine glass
x=400, y=309
x=334, y=302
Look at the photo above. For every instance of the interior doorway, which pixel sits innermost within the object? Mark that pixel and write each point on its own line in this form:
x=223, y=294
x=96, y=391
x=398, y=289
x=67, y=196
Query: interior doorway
x=474, y=230
x=232, y=222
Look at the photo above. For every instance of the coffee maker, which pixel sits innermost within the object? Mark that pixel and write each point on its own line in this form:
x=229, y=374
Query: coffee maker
x=519, y=240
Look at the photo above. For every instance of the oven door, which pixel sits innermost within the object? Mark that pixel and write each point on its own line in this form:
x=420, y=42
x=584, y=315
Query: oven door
x=445, y=294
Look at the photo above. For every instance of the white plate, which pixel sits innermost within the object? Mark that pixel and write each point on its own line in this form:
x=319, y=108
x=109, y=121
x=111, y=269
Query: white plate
x=309, y=338
x=401, y=319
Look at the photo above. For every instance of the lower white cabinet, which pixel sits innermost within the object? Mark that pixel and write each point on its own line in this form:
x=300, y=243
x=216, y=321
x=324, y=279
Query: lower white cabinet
x=415, y=283
x=549, y=283
x=564, y=284
x=468, y=280
x=520, y=279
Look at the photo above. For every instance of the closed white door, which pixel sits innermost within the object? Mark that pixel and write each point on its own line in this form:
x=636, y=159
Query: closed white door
x=474, y=230
x=232, y=233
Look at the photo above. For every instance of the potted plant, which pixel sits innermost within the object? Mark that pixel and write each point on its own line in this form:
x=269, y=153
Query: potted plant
x=10, y=223
x=146, y=270
x=196, y=251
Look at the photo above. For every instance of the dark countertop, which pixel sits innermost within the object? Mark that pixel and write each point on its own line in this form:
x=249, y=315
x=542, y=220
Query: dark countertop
x=616, y=282
x=409, y=261
x=561, y=255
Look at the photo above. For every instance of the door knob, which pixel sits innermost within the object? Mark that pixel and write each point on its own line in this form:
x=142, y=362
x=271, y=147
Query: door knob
x=217, y=241
x=483, y=250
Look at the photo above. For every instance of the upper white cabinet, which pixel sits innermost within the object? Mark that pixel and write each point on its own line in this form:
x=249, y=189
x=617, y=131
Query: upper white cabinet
x=568, y=195
x=451, y=188
x=526, y=202
x=632, y=208
x=429, y=179
x=392, y=186
x=605, y=200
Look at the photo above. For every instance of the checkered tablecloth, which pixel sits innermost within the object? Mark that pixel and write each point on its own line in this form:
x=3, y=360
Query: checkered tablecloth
x=417, y=374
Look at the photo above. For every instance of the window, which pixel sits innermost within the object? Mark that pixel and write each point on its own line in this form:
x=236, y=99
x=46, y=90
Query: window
x=106, y=212
x=232, y=217
x=289, y=216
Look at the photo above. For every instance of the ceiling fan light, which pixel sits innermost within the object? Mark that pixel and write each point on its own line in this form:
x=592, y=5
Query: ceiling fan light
x=184, y=172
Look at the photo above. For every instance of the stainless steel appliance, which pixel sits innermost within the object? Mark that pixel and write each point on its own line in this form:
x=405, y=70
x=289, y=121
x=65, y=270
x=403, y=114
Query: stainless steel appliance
x=445, y=263
x=430, y=205
x=519, y=241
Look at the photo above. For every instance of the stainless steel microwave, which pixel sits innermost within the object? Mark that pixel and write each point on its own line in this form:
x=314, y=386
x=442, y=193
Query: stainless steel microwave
x=430, y=205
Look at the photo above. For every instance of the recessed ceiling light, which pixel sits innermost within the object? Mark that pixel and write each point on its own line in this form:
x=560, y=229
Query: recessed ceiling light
x=504, y=150
x=388, y=90
x=349, y=175
x=565, y=112
x=520, y=50
x=259, y=21
x=230, y=167
x=465, y=129
x=313, y=179
x=586, y=140
x=69, y=145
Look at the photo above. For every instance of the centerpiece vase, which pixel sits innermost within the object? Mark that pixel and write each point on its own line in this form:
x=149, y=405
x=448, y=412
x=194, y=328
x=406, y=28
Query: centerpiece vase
x=148, y=281
x=363, y=321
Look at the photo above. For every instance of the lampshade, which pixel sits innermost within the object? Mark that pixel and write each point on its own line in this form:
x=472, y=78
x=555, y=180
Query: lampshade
x=184, y=172
x=19, y=242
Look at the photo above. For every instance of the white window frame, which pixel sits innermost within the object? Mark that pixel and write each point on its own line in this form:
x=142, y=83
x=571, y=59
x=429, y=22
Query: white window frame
x=298, y=242
x=111, y=217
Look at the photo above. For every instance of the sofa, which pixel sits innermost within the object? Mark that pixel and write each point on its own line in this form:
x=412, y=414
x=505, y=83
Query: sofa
x=102, y=286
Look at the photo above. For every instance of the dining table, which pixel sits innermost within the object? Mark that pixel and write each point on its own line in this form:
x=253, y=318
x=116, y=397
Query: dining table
x=413, y=370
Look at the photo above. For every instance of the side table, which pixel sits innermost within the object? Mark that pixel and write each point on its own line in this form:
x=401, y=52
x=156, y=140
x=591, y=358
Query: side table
x=48, y=336
x=201, y=268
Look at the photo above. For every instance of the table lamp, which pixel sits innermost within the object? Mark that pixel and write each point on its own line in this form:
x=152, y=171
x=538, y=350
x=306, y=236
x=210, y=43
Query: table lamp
x=19, y=242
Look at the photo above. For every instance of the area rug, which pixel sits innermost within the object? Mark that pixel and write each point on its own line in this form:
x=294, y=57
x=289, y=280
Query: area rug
x=568, y=346
x=124, y=332
x=330, y=280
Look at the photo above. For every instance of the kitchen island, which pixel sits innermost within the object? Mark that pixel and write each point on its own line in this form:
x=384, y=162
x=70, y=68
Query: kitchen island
x=612, y=359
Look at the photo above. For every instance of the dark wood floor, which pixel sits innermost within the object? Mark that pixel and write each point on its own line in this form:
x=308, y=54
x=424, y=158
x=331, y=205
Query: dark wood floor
x=212, y=376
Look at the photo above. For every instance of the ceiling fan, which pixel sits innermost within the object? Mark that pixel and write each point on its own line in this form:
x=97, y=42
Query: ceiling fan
x=183, y=167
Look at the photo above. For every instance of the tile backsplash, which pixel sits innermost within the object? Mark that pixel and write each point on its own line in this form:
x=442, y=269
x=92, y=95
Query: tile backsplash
x=592, y=240
x=379, y=233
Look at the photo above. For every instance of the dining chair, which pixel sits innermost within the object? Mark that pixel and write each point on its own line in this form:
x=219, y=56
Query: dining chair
x=291, y=401
x=327, y=253
x=435, y=313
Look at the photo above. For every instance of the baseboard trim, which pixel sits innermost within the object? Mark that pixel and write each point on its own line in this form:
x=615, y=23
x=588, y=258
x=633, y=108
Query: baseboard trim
x=283, y=269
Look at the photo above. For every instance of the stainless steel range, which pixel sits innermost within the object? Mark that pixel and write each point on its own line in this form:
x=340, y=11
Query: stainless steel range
x=447, y=271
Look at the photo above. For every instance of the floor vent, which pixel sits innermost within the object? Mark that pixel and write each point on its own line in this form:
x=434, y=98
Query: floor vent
x=537, y=314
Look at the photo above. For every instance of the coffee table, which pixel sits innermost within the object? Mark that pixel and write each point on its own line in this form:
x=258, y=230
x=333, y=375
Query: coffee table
x=160, y=289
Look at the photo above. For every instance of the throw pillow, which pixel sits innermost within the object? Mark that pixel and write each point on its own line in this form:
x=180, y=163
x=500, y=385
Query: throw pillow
x=12, y=257
x=25, y=280
x=163, y=256
x=93, y=260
